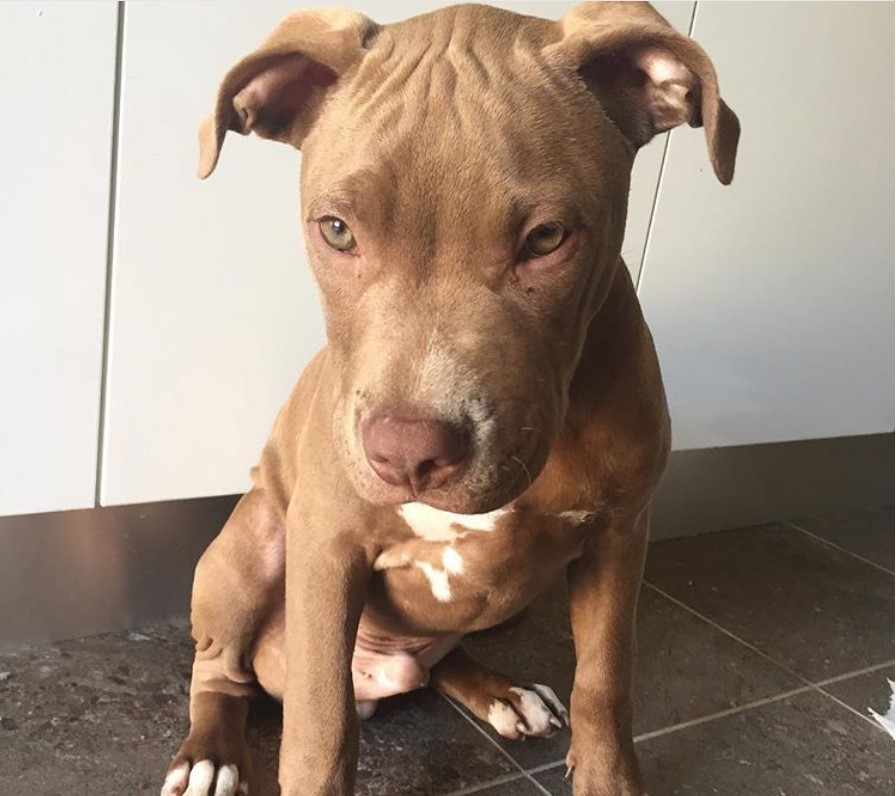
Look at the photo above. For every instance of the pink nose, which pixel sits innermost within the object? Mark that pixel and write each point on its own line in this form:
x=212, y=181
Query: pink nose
x=418, y=453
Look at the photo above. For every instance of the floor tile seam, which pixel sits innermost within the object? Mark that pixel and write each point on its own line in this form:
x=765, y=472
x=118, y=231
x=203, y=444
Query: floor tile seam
x=759, y=703
x=538, y=785
x=740, y=709
x=474, y=722
x=522, y=772
x=722, y=714
x=834, y=545
x=857, y=673
x=850, y=708
x=545, y=767
x=481, y=786
x=743, y=642
x=809, y=685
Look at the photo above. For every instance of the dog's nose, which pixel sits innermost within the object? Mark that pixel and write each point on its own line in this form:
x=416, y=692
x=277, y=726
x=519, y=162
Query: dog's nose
x=419, y=453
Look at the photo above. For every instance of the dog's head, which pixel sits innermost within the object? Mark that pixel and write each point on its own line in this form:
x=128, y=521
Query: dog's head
x=465, y=177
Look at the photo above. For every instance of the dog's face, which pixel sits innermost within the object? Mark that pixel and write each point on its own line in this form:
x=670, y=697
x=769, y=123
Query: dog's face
x=464, y=186
x=461, y=252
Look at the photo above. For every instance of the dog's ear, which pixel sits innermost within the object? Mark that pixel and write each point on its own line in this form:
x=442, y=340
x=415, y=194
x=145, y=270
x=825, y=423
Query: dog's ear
x=648, y=77
x=277, y=91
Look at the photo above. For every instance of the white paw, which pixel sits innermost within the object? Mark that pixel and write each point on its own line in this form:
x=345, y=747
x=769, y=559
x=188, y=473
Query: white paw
x=198, y=780
x=533, y=711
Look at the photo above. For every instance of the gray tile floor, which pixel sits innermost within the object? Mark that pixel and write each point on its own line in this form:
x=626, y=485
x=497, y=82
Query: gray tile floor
x=760, y=651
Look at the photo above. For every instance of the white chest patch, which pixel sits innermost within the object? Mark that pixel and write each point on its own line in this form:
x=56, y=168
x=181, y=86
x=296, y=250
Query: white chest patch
x=452, y=564
x=444, y=526
x=577, y=517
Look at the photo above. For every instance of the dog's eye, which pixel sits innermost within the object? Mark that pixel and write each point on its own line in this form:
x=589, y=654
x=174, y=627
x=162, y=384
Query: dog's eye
x=545, y=238
x=337, y=234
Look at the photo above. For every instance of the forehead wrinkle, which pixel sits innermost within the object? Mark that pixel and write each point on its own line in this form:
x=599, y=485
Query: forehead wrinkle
x=449, y=67
x=363, y=196
x=418, y=108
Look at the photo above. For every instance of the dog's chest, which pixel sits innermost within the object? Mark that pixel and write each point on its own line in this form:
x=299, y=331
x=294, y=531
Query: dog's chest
x=460, y=572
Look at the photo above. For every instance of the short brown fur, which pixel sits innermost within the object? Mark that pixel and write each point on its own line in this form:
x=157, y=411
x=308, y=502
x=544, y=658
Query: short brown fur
x=442, y=141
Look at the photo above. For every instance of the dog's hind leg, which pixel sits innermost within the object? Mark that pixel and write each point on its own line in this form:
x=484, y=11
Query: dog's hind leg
x=238, y=581
x=515, y=710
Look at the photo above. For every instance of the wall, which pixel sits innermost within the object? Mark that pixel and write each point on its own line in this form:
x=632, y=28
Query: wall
x=54, y=209
x=770, y=300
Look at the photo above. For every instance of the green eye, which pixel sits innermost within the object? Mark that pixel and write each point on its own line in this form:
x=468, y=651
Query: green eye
x=545, y=238
x=336, y=233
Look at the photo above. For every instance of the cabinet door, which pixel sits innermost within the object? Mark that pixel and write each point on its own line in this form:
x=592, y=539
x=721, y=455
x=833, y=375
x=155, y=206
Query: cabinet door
x=57, y=75
x=771, y=301
x=214, y=312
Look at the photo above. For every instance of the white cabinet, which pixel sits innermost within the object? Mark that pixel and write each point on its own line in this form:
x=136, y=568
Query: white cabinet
x=771, y=301
x=213, y=310
x=57, y=75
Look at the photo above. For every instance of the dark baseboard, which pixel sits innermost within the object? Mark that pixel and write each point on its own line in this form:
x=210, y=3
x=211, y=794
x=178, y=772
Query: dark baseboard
x=75, y=573
x=718, y=488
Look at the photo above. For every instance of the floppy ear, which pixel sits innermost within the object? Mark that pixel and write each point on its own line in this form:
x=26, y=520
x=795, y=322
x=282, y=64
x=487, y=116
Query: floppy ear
x=277, y=91
x=648, y=77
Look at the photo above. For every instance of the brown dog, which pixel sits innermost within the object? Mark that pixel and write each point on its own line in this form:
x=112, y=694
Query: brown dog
x=488, y=412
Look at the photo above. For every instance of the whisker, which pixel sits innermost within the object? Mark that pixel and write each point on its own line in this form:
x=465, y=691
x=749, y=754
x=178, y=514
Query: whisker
x=536, y=430
x=522, y=464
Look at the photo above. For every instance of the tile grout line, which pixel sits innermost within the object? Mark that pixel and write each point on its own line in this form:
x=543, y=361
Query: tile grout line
x=837, y=547
x=784, y=667
x=478, y=788
x=738, y=709
x=523, y=773
x=809, y=686
x=727, y=632
x=546, y=767
x=721, y=714
x=857, y=673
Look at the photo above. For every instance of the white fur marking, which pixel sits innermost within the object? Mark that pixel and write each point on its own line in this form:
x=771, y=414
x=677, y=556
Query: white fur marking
x=538, y=713
x=438, y=581
x=577, y=517
x=228, y=781
x=201, y=778
x=504, y=719
x=176, y=781
x=452, y=561
x=552, y=701
x=435, y=525
x=452, y=564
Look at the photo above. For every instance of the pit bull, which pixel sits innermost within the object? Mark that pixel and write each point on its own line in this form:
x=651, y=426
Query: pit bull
x=488, y=412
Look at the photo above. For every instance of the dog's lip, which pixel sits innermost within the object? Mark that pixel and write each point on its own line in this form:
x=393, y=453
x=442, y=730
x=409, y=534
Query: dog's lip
x=439, y=499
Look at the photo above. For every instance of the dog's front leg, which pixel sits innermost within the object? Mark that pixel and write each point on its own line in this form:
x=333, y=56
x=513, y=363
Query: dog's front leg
x=326, y=583
x=603, y=591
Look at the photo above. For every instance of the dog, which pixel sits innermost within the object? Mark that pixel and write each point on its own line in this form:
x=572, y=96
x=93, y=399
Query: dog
x=488, y=412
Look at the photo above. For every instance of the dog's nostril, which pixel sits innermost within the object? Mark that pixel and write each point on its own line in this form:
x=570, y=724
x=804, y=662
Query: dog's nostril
x=418, y=453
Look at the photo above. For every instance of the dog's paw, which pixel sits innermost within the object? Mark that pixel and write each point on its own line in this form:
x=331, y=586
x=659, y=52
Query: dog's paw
x=203, y=779
x=523, y=712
